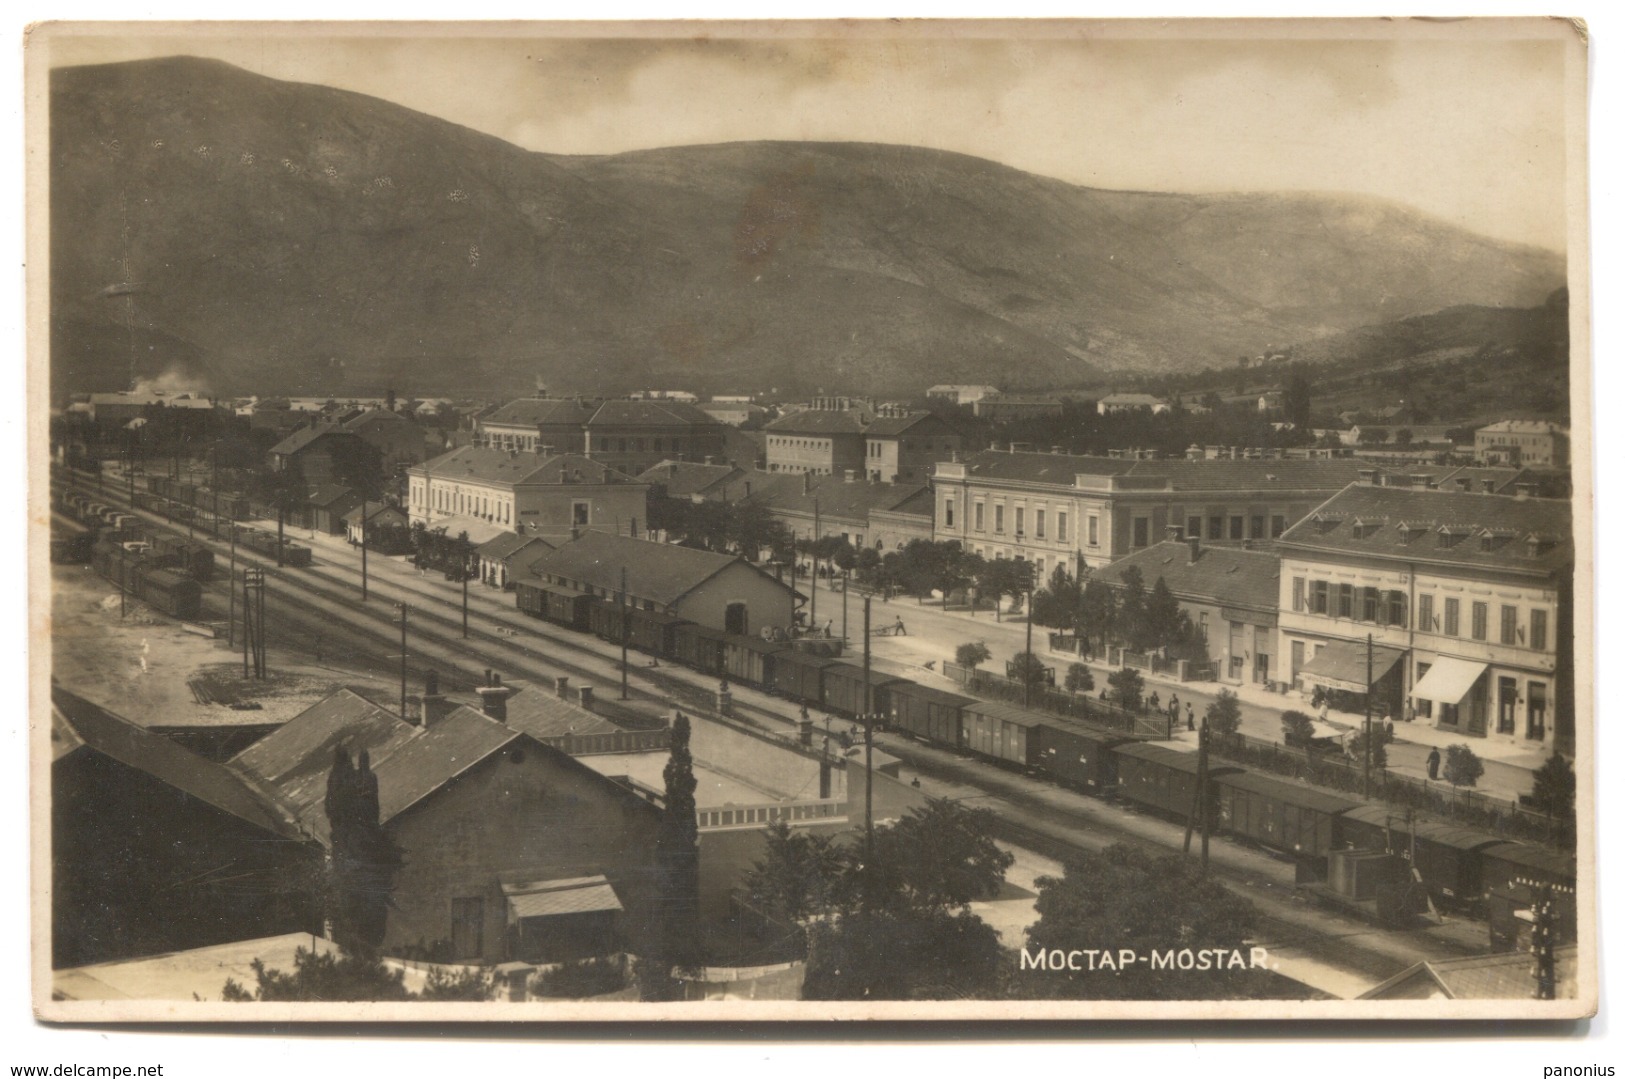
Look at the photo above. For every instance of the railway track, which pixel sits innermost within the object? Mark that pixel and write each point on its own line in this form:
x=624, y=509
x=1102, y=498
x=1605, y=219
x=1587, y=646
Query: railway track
x=323, y=596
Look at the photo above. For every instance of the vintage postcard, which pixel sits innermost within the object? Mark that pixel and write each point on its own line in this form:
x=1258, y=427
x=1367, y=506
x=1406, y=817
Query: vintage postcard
x=731, y=521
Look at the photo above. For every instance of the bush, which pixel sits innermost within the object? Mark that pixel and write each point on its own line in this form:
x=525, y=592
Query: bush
x=1554, y=788
x=580, y=978
x=1027, y=669
x=470, y=983
x=1127, y=686
x=1462, y=766
x=1297, y=729
x=1224, y=715
x=972, y=654
x=1079, y=678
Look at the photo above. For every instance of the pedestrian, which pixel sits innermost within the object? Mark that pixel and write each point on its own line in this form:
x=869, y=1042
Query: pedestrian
x=1324, y=709
x=1433, y=763
x=900, y=630
x=805, y=715
x=1156, y=702
x=1190, y=716
x=1173, y=702
x=916, y=783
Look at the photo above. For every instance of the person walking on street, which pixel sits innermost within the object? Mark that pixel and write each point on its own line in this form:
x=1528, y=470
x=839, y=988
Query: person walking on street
x=899, y=630
x=1190, y=716
x=1156, y=702
x=1433, y=763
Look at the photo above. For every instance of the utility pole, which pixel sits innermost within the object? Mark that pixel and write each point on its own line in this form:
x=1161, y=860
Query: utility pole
x=121, y=589
x=401, y=607
x=214, y=488
x=846, y=587
x=1366, y=783
x=1027, y=665
x=812, y=549
x=625, y=633
x=868, y=763
x=363, y=549
x=254, y=621
x=231, y=592
x=465, y=549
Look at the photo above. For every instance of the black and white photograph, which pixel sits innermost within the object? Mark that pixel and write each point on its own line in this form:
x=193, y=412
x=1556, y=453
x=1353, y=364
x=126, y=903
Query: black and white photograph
x=783, y=520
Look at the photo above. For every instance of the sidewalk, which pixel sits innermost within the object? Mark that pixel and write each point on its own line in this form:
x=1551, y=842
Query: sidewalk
x=934, y=634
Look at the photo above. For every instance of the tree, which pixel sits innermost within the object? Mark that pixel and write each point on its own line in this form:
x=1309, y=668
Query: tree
x=467, y=984
x=1462, y=766
x=937, y=859
x=972, y=654
x=797, y=877
x=1162, y=616
x=1079, y=678
x=1554, y=788
x=339, y=975
x=1099, y=603
x=1297, y=729
x=1224, y=715
x=1379, y=746
x=1127, y=686
x=676, y=943
x=1132, y=626
x=1028, y=670
x=363, y=859
x=1295, y=400
x=1126, y=898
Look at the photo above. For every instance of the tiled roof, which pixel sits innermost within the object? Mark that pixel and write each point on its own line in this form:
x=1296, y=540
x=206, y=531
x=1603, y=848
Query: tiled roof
x=293, y=761
x=819, y=421
x=837, y=498
x=543, y=714
x=684, y=478
x=544, y=899
x=535, y=411
x=1506, y=976
x=651, y=414
x=372, y=418
x=447, y=749
x=100, y=731
x=660, y=572
x=1144, y=399
x=892, y=426
x=1058, y=468
x=485, y=465
x=1441, y=526
x=1258, y=476
x=329, y=493
x=307, y=435
x=1229, y=576
x=479, y=531
x=509, y=544
x=374, y=511
x=1524, y=427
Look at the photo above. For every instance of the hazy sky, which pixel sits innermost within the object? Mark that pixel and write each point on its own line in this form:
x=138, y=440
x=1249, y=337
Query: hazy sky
x=1470, y=130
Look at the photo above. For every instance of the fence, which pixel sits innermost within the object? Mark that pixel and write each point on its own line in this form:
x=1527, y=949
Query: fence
x=749, y=816
x=584, y=745
x=1460, y=804
x=1054, y=701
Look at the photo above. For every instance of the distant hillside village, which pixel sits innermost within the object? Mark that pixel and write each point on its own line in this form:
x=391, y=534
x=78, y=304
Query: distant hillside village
x=1414, y=570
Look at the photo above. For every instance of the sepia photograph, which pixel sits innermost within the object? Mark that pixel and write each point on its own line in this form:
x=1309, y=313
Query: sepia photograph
x=1050, y=519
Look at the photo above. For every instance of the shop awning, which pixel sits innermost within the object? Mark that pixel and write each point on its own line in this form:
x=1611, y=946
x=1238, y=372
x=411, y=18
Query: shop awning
x=1449, y=680
x=1342, y=665
x=546, y=899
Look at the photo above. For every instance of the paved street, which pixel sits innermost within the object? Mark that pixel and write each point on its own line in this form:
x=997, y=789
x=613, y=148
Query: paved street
x=933, y=635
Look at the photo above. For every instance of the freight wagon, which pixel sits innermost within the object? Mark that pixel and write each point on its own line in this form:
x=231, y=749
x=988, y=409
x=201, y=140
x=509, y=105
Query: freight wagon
x=1076, y=756
x=1158, y=778
x=1000, y=731
x=932, y=715
x=1514, y=876
x=1446, y=858
x=750, y=659
x=699, y=647
x=1287, y=817
x=844, y=690
x=799, y=676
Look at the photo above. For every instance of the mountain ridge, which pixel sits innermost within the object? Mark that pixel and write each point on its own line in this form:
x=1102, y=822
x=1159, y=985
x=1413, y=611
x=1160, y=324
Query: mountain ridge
x=309, y=239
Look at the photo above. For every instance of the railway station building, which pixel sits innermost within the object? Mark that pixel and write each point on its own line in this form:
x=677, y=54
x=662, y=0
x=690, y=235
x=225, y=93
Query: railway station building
x=526, y=493
x=1460, y=605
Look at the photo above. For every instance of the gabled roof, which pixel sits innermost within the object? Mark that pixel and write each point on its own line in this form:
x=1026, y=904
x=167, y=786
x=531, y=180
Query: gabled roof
x=1445, y=526
x=663, y=413
x=100, y=731
x=1058, y=468
x=542, y=715
x=372, y=418
x=374, y=511
x=917, y=422
x=447, y=749
x=536, y=411
x=682, y=479
x=306, y=436
x=479, y=531
x=1506, y=976
x=1263, y=477
x=837, y=498
x=330, y=493
x=293, y=761
x=1524, y=427
x=509, y=544
x=1145, y=400
x=819, y=421
x=483, y=464
x=660, y=572
x=1229, y=576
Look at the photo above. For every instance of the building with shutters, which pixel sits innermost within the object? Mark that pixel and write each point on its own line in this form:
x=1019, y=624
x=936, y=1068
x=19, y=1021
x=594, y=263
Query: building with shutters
x=1458, y=604
x=516, y=491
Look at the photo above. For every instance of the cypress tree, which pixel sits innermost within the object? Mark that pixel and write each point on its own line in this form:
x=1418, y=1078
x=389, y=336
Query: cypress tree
x=676, y=938
x=363, y=860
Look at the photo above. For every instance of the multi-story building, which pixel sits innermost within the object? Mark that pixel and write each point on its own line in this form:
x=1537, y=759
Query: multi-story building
x=540, y=424
x=1455, y=608
x=827, y=442
x=1014, y=407
x=524, y=492
x=1053, y=508
x=961, y=395
x=397, y=438
x=632, y=436
x=1130, y=402
x=905, y=448
x=1522, y=443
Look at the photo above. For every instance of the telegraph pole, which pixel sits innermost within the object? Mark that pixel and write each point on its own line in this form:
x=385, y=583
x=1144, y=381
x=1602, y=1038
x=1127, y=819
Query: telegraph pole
x=466, y=549
x=846, y=587
x=401, y=607
x=121, y=589
x=1027, y=665
x=812, y=549
x=363, y=549
x=625, y=633
x=1366, y=783
x=868, y=763
x=231, y=592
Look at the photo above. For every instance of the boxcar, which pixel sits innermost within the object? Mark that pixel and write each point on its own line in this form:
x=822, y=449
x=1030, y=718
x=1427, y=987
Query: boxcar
x=1075, y=755
x=1447, y=858
x=750, y=659
x=799, y=676
x=173, y=593
x=699, y=646
x=604, y=621
x=1156, y=777
x=844, y=689
x=529, y=597
x=999, y=730
x=655, y=631
x=1513, y=876
x=928, y=713
x=567, y=606
x=1283, y=816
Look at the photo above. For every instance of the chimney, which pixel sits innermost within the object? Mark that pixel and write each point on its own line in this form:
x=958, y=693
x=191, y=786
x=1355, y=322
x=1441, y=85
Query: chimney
x=494, y=698
x=671, y=468
x=1524, y=490
x=432, y=706
x=585, y=696
x=562, y=684
x=1368, y=477
x=1194, y=542
x=747, y=488
x=1464, y=485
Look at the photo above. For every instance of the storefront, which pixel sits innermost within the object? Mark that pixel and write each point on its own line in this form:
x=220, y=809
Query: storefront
x=1350, y=671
